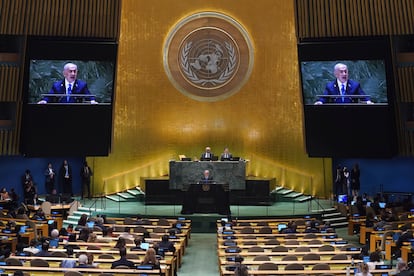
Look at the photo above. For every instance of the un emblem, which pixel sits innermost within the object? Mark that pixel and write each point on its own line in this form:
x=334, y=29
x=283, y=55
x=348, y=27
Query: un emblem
x=208, y=56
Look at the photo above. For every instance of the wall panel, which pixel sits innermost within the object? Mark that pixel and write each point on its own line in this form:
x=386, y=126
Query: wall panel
x=262, y=122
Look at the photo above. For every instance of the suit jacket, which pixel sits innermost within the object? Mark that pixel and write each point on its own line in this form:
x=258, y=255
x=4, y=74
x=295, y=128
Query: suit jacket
x=79, y=87
x=205, y=157
x=222, y=158
x=203, y=180
x=123, y=261
x=47, y=175
x=352, y=88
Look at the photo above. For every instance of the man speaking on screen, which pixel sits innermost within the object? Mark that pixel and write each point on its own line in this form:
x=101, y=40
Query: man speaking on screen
x=70, y=89
x=344, y=88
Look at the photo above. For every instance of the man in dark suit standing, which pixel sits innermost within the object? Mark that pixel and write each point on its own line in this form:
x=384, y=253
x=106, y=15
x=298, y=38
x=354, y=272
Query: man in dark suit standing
x=206, y=178
x=86, y=173
x=343, y=87
x=65, y=178
x=49, y=178
x=68, y=87
x=207, y=155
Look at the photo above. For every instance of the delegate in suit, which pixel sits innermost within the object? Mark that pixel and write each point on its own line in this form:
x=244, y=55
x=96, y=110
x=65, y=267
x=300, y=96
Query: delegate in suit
x=226, y=155
x=342, y=87
x=68, y=86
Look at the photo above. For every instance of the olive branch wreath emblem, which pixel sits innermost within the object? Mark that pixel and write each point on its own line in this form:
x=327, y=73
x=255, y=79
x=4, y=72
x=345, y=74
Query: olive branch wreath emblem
x=225, y=75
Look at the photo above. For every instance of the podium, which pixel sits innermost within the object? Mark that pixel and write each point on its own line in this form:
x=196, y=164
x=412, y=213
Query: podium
x=207, y=198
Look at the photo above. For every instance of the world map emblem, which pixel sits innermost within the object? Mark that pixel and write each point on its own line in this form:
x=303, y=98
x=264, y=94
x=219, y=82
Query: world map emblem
x=208, y=56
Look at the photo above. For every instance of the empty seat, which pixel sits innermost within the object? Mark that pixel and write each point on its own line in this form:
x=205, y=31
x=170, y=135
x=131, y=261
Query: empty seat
x=39, y=263
x=294, y=267
x=262, y=223
x=280, y=248
x=321, y=267
x=310, y=236
x=250, y=243
x=59, y=254
x=292, y=242
x=247, y=230
x=268, y=266
x=303, y=249
x=339, y=257
x=315, y=241
x=244, y=223
x=261, y=258
x=163, y=222
x=256, y=249
x=106, y=256
x=93, y=247
x=158, y=230
x=290, y=258
x=311, y=257
x=272, y=242
x=72, y=273
x=291, y=236
x=326, y=247
x=13, y=262
x=131, y=256
x=130, y=221
x=265, y=230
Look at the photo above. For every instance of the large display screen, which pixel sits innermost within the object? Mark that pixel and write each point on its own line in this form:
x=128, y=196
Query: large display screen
x=97, y=74
x=69, y=90
x=318, y=77
x=348, y=92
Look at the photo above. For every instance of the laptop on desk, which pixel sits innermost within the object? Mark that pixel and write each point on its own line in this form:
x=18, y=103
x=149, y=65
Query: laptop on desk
x=235, y=158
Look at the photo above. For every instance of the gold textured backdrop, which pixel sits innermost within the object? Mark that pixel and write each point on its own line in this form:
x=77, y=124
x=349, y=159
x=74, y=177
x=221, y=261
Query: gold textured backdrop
x=153, y=122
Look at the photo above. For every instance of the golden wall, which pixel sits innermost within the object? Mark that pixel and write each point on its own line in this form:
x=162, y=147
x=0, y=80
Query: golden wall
x=263, y=122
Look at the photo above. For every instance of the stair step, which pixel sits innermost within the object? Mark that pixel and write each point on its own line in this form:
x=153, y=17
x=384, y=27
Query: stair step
x=294, y=195
x=134, y=192
x=339, y=224
x=331, y=215
x=115, y=198
x=126, y=195
x=336, y=219
x=303, y=198
x=80, y=213
x=285, y=192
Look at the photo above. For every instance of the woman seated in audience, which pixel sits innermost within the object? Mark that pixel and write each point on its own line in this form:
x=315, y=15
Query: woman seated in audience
x=363, y=270
x=151, y=258
x=93, y=238
x=90, y=260
x=120, y=243
x=82, y=221
x=374, y=259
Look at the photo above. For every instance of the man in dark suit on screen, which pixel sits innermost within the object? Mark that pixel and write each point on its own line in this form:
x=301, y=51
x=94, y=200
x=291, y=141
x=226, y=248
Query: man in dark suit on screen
x=68, y=88
x=343, y=87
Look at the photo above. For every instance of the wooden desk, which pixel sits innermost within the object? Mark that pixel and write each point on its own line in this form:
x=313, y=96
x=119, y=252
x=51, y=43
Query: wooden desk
x=307, y=271
x=11, y=269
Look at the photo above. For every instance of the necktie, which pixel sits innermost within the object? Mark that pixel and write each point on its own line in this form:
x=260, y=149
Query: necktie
x=343, y=92
x=69, y=92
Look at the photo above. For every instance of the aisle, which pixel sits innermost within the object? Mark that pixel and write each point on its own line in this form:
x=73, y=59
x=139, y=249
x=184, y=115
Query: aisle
x=200, y=258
